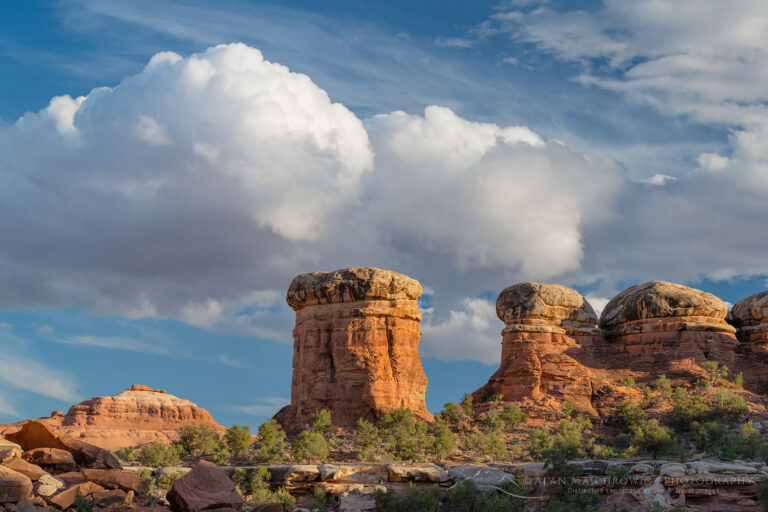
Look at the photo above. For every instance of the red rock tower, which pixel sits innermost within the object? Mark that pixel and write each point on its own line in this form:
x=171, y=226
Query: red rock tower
x=750, y=315
x=356, y=346
x=546, y=328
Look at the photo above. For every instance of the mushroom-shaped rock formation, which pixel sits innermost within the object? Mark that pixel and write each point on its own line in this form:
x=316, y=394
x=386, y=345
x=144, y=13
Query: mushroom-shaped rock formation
x=356, y=346
x=658, y=322
x=750, y=316
x=546, y=327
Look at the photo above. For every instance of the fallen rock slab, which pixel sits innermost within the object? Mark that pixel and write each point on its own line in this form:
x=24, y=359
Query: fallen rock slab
x=9, y=450
x=14, y=487
x=50, y=458
x=355, y=503
x=116, y=479
x=485, y=478
x=65, y=499
x=71, y=478
x=32, y=471
x=206, y=487
x=109, y=497
x=429, y=473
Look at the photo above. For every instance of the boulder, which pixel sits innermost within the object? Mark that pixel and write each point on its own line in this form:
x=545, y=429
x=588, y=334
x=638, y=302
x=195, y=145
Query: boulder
x=546, y=327
x=14, y=486
x=9, y=450
x=430, y=473
x=32, y=471
x=269, y=507
x=71, y=478
x=485, y=478
x=109, y=497
x=116, y=479
x=672, y=469
x=65, y=499
x=355, y=503
x=35, y=434
x=50, y=458
x=356, y=346
x=206, y=487
x=49, y=485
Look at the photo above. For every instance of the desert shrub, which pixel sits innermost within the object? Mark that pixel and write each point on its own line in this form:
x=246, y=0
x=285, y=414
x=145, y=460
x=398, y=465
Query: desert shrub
x=418, y=499
x=493, y=421
x=323, y=425
x=366, y=440
x=630, y=415
x=569, y=409
x=466, y=497
x=221, y=454
x=159, y=455
x=310, y=446
x=487, y=447
x=126, y=454
x=715, y=372
x=240, y=479
x=467, y=406
x=238, y=439
x=403, y=434
x=284, y=497
x=166, y=482
x=628, y=382
x=319, y=500
x=81, y=504
x=687, y=409
x=271, y=445
x=513, y=416
x=761, y=492
x=738, y=382
x=539, y=442
x=456, y=416
x=654, y=439
x=729, y=406
x=259, y=486
x=663, y=385
x=717, y=438
x=487, y=394
x=574, y=437
x=443, y=442
x=565, y=492
x=198, y=440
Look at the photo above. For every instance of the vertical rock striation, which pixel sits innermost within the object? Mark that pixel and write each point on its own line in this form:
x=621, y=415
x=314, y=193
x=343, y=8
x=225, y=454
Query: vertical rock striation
x=356, y=346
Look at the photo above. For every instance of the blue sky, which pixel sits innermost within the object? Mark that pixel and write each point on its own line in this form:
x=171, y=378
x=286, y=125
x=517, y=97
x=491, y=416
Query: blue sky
x=150, y=229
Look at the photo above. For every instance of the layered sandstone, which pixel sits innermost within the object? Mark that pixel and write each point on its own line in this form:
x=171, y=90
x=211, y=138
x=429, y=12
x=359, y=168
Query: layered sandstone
x=750, y=317
x=546, y=328
x=665, y=327
x=356, y=346
x=138, y=416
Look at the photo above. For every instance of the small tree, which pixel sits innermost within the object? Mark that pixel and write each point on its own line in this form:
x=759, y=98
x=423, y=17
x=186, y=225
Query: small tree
x=513, y=416
x=271, y=445
x=663, y=386
x=198, y=440
x=467, y=405
x=715, y=372
x=310, y=447
x=443, y=442
x=738, y=382
x=238, y=439
x=366, y=440
x=404, y=435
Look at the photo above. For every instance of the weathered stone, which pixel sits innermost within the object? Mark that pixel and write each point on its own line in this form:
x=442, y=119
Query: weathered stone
x=109, y=497
x=170, y=471
x=71, y=478
x=206, y=487
x=116, y=478
x=9, y=450
x=485, y=478
x=35, y=434
x=672, y=469
x=65, y=499
x=723, y=468
x=294, y=476
x=528, y=470
x=356, y=345
x=356, y=473
x=546, y=326
x=431, y=473
x=642, y=469
x=32, y=471
x=50, y=458
x=14, y=486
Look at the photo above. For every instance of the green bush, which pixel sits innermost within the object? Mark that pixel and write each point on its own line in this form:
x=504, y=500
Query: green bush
x=271, y=444
x=630, y=415
x=240, y=479
x=404, y=436
x=456, y=416
x=715, y=372
x=126, y=454
x=319, y=500
x=486, y=447
x=259, y=486
x=718, y=438
x=221, y=455
x=738, y=382
x=663, y=385
x=443, y=441
x=366, y=441
x=687, y=409
x=628, y=382
x=729, y=406
x=654, y=439
x=565, y=492
x=539, y=442
x=81, y=504
x=418, y=499
x=513, y=416
x=467, y=405
x=323, y=425
x=159, y=455
x=198, y=440
x=238, y=439
x=310, y=447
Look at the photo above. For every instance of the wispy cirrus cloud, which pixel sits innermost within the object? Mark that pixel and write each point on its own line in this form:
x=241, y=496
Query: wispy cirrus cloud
x=117, y=343
x=267, y=406
x=36, y=377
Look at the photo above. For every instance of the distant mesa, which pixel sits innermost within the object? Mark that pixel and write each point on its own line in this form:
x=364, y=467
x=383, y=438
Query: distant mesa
x=356, y=346
x=137, y=416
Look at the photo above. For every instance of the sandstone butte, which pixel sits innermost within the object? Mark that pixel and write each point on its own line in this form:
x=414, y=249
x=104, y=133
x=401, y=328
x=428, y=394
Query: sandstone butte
x=553, y=350
x=356, y=346
x=138, y=416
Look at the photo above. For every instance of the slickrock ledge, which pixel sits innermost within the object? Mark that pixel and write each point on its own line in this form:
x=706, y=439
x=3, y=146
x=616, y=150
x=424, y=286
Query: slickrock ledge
x=750, y=317
x=356, y=346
